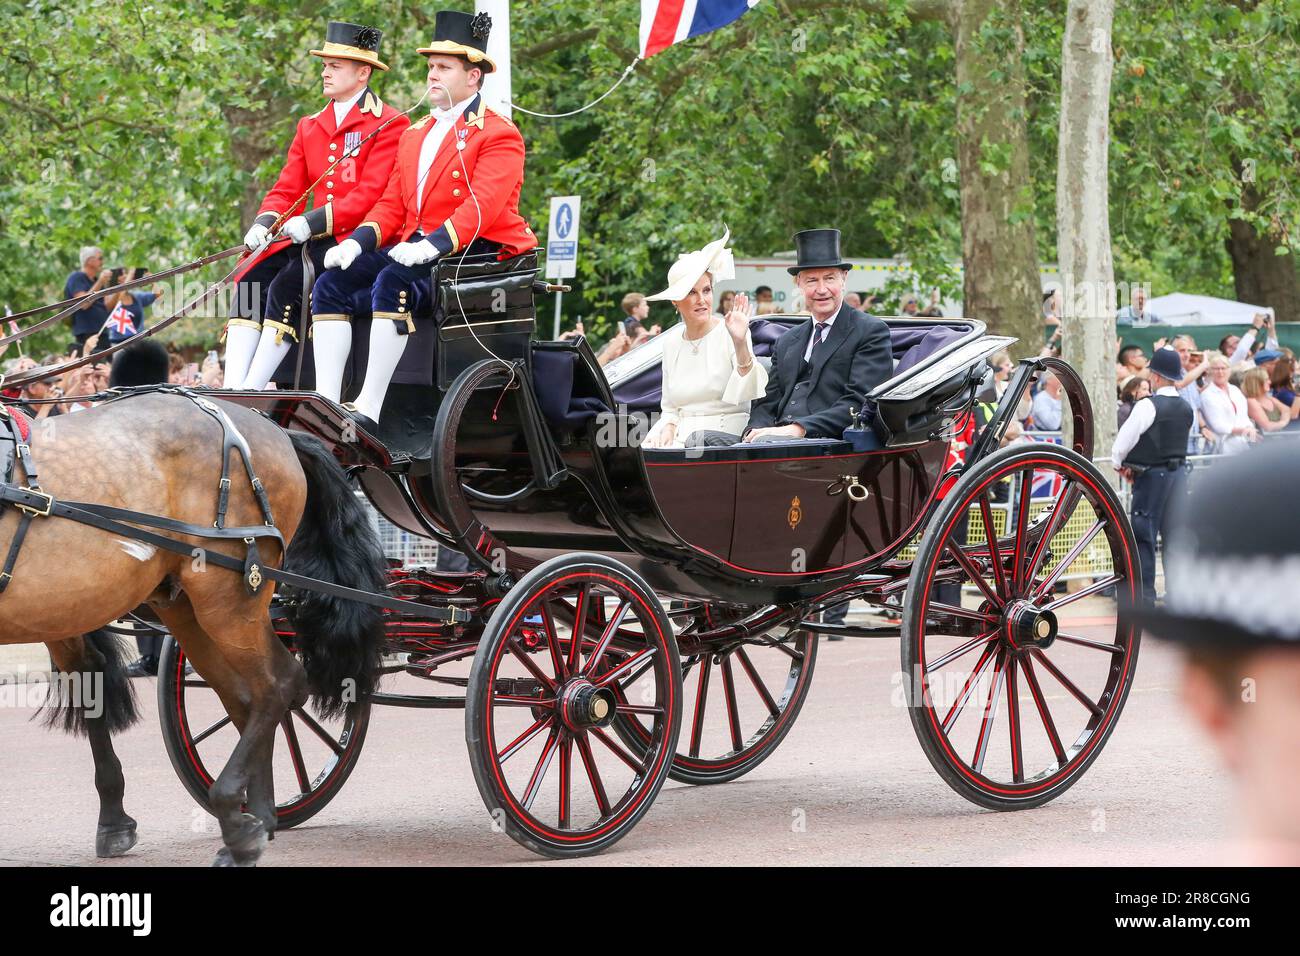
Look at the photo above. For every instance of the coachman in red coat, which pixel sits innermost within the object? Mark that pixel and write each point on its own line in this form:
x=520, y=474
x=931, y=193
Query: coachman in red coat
x=266, y=307
x=453, y=190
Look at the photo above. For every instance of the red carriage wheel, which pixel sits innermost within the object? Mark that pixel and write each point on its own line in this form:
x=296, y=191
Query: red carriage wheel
x=738, y=704
x=313, y=756
x=543, y=695
x=1016, y=663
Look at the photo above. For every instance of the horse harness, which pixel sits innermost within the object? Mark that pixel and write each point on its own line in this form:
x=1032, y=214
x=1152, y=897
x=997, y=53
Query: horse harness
x=33, y=502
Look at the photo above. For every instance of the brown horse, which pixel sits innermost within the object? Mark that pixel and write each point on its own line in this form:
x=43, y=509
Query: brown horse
x=161, y=454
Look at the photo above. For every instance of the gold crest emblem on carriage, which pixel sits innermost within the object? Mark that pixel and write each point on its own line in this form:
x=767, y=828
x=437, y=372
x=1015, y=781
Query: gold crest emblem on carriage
x=795, y=514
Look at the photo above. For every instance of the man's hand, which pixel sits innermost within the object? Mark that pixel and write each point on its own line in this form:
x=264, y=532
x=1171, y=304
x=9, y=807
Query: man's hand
x=297, y=229
x=342, y=255
x=781, y=431
x=257, y=238
x=413, y=253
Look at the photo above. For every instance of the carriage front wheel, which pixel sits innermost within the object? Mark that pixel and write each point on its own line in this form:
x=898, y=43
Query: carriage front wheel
x=1015, y=662
x=580, y=641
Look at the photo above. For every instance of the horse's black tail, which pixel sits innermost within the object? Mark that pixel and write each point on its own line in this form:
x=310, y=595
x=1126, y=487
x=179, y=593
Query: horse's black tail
x=100, y=688
x=341, y=641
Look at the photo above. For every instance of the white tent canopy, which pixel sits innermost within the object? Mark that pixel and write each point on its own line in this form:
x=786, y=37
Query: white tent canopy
x=1181, y=308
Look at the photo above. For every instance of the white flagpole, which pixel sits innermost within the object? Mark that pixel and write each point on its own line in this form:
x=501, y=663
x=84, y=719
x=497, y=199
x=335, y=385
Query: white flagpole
x=497, y=87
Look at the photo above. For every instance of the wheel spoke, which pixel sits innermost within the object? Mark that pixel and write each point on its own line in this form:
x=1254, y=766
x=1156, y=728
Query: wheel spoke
x=295, y=754
x=964, y=649
x=319, y=731
x=194, y=682
x=593, y=775
x=991, y=535
x=1084, y=642
x=539, y=772
x=640, y=672
x=759, y=686
x=962, y=612
x=974, y=573
x=733, y=713
x=1013, y=723
x=1090, y=590
x=701, y=694
x=566, y=773
x=522, y=741
x=579, y=629
x=990, y=713
x=199, y=738
x=618, y=750
x=527, y=660
x=1068, y=684
x=1050, y=581
x=960, y=703
x=611, y=628
x=553, y=642
x=1044, y=712
x=620, y=669
x=638, y=709
x=1022, y=519
x=1067, y=500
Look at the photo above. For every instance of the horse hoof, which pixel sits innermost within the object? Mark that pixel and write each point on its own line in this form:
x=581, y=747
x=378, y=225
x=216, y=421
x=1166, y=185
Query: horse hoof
x=246, y=850
x=115, y=841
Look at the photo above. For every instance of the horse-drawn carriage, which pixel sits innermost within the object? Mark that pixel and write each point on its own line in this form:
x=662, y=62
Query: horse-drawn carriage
x=632, y=614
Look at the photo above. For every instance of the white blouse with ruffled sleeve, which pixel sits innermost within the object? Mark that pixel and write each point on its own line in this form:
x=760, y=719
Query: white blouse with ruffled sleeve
x=703, y=389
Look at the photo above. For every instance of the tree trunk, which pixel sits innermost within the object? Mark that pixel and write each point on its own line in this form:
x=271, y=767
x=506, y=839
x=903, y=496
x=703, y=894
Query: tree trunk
x=1260, y=275
x=1083, y=209
x=1001, y=285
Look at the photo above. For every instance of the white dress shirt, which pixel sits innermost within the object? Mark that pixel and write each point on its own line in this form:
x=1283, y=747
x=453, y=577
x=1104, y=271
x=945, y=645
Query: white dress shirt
x=1242, y=352
x=1139, y=420
x=443, y=121
x=341, y=108
x=807, y=352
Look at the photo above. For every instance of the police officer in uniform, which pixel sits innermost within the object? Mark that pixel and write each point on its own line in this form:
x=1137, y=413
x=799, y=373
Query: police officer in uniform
x=268, y=296
x=1150, y=450
x=454, y=189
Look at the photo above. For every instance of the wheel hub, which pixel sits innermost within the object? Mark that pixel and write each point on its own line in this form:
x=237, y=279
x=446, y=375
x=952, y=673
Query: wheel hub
x=583, y=705
x=1025, y=626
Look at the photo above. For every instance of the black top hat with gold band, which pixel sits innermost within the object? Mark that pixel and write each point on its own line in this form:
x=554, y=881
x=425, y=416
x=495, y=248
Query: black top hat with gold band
x=460, y=34
x=351, y=41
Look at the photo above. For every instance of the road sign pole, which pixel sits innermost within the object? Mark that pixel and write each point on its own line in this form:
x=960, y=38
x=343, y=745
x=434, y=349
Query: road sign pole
x=558, y=297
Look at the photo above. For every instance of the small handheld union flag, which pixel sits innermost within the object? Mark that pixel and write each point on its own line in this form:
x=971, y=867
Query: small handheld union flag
x=665, y=22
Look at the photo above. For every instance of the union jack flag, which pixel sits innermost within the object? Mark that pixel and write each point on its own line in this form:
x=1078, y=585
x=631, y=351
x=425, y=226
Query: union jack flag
x=121, y=321
x=665, y=22
x=1047, y=484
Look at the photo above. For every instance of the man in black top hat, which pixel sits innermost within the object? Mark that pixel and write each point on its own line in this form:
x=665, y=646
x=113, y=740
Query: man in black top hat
x=1232, y=604
x=821, y=370
x=1150, y=450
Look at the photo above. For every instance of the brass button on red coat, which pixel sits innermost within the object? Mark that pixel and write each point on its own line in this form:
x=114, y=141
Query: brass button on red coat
x=333, y=147
x=330, y=184
x=455, y=192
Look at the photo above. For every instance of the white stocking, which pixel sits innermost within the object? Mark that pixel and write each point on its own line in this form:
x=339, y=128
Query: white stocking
x=331, y=343
x=241, y=345
x=268, y=358
x=386, y=348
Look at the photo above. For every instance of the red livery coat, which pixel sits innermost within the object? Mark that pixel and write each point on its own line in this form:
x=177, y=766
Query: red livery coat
x=340, y=201
x=492, y=161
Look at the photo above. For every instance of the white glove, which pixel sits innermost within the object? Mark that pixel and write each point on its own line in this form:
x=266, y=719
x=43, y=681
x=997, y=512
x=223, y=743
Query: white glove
x=342, y=255
x=297, y=229
x=413, y=253
x=257, y=237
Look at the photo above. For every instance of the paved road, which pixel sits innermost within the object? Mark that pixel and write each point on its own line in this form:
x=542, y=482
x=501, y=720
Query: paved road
x=851, y=769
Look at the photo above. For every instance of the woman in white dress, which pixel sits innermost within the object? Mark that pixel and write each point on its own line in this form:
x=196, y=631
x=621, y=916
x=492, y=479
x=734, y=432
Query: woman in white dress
x=710, y=375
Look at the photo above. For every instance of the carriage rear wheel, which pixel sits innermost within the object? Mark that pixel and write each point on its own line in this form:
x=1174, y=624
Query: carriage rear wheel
x=313, y=756
x=544, y=693
x=1016, y=661
x=738, y=704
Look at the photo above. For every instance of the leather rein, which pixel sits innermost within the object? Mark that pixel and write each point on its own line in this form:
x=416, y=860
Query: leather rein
x=34, y=502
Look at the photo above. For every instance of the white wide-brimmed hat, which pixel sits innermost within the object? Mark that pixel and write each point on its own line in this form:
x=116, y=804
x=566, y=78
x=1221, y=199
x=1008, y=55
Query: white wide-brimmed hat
x=714, y=258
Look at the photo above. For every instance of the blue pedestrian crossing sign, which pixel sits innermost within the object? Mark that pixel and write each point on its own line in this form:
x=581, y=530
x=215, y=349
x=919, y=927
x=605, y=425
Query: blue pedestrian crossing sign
x=562, y=238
